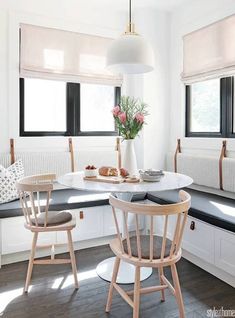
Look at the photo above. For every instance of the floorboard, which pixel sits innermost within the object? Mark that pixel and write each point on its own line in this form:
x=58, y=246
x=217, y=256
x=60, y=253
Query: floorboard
x=52, y=293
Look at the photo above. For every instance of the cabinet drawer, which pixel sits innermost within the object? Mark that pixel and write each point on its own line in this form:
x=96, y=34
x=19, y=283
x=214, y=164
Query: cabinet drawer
x=200, y=240
x=224, y=251
x=89, y=224
x=16, y=238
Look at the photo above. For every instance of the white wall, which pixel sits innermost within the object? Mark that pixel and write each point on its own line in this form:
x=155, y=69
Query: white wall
x=193, y=15
x=77, y=16
x=155, y=26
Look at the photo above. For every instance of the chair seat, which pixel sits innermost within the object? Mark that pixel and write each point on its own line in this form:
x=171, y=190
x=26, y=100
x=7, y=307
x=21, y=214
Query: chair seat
x=53, y=218
x=145, y=246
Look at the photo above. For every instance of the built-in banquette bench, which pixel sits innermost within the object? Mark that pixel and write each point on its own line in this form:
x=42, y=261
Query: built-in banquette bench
x=91, y=210
x=209, y=238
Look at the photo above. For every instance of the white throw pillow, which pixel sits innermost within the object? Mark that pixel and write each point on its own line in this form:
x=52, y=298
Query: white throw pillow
x=8, y=178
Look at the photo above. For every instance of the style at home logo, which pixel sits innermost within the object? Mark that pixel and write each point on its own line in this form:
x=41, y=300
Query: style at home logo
x=221, y=312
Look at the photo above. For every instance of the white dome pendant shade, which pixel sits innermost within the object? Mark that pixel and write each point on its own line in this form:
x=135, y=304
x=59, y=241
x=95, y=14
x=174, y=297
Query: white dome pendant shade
x=131, y=53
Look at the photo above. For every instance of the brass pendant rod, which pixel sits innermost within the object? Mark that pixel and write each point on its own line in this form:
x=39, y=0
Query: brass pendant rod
x=130, y=26
x=130, y=17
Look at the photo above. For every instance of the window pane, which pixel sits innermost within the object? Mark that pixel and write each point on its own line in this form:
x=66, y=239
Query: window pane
x=44, y=105
x=97, y=102
x=205, y=106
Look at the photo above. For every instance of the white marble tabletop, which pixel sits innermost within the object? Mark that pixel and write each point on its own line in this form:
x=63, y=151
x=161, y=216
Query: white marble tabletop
x=169, y=181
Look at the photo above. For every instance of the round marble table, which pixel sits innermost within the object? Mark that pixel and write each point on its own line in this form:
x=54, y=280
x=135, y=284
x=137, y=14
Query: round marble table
x=124, y=191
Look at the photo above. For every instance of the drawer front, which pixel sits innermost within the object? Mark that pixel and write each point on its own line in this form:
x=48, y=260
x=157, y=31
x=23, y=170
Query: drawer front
x=224, y=251
x=16, y=238
x=198, y=239
x=89, y=224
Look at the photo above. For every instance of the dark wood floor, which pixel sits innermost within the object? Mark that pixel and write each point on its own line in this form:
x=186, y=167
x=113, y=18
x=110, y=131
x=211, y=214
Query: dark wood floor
x=49, y=296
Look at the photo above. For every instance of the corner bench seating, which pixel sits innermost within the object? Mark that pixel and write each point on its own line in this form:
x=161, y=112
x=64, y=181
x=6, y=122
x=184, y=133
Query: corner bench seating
x=210, y=208
x=65, y=199
x=209, y=236
x=209, y=246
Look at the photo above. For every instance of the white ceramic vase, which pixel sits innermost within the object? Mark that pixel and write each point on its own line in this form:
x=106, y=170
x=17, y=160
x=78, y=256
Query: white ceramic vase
x=129, y=158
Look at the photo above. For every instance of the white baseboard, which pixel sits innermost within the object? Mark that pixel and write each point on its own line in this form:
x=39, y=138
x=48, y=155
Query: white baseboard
x=23, y=256
x=210, y=268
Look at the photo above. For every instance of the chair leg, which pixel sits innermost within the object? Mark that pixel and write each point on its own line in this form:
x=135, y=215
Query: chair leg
x=73, y=259
x=160, y=273
x=31, y=259
x=114, y=279
x=178, y=294
x=136, y=293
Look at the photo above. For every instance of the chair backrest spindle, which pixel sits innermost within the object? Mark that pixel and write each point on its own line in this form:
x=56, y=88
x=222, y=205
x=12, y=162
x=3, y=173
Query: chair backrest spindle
x=164, y=238
x=137, y=230
x=127, y=233
x=118, y=229
x=151, y=239
x=176, y=233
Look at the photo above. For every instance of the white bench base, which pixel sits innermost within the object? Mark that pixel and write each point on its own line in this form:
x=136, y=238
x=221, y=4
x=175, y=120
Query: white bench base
x=24, y=256
x=208, y=247
x=210, y=268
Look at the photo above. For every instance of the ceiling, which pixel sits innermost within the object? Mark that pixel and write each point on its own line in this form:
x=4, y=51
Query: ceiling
x=121, y=5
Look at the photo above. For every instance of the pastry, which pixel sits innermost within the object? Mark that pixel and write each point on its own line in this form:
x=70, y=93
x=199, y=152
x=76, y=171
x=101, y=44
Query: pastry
x=108, y=171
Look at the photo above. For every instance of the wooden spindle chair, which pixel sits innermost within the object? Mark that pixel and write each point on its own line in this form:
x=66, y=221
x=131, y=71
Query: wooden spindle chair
x=33, y=192
x=151, y=250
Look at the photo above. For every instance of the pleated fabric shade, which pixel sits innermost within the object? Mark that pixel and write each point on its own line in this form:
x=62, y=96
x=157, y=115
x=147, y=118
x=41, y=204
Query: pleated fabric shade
x=210, y=52
x=62, y=55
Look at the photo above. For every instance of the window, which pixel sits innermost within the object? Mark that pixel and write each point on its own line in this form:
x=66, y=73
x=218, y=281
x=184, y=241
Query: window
x=44, y=105
x=57, y=108
x=205, y=107
x=210, y=109
x=95, y=110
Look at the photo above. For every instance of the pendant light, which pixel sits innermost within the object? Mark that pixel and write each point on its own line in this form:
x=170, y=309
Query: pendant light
x=131, y=53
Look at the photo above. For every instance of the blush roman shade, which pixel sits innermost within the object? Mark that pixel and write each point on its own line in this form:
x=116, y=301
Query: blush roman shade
x=210, y=52
x=62, y=55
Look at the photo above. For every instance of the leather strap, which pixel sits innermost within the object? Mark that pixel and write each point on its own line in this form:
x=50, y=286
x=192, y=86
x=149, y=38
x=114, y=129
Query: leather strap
x=12, y=150
x=178, y=150
x=72, y=154
x=222, y=156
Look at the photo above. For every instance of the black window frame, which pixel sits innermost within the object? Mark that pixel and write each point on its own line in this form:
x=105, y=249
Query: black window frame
x=226, y=111
x=73, y=118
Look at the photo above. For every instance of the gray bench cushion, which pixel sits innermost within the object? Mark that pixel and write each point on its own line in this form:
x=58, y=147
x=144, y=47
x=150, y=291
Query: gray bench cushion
x=65, y=199
x=211, y=208
x=53, y=218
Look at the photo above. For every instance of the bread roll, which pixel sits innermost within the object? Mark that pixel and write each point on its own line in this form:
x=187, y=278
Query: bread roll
x=108, y=172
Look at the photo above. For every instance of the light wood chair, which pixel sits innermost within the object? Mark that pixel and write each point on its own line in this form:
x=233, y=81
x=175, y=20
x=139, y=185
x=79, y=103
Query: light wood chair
x=33, y=191
x=149, y=250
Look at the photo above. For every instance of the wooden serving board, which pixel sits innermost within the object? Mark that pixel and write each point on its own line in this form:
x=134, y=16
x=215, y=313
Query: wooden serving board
x=113, y=180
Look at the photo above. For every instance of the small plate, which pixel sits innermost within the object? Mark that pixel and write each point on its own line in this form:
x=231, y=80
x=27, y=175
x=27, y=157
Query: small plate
x=151, y=175
x=148, y=178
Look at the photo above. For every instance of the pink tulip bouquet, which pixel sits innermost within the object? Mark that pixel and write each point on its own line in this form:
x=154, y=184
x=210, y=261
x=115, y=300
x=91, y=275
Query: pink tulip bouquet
x=129, y=116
